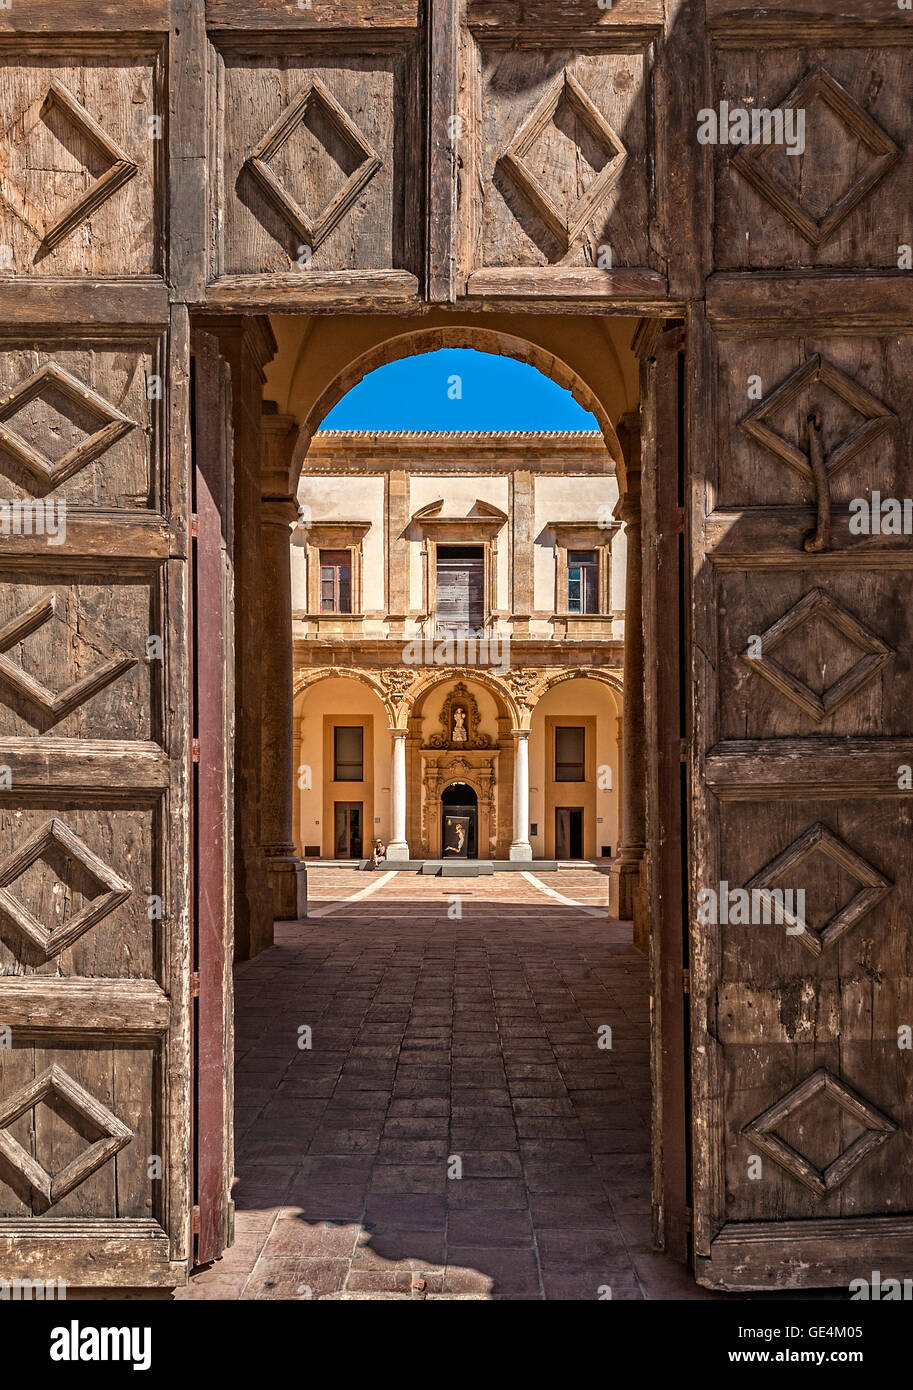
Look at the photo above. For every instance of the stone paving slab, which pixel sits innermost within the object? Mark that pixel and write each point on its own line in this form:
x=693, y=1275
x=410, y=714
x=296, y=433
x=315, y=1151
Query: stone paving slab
x=454, y=1130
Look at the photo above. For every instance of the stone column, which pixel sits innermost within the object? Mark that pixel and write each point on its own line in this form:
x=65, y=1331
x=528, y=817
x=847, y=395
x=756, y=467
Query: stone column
x=278, y=513
x=398, y=848
x=625, y=875
x=521, y=847
x=297, y=837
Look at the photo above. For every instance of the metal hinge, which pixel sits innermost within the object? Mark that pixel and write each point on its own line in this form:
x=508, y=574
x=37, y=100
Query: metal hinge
x=683, y=750
x=680, y=519
x=194, y=1221
x=195, y=750
x=194, y=525
x=195, y=984
x=686, y=981
x=688, y=1215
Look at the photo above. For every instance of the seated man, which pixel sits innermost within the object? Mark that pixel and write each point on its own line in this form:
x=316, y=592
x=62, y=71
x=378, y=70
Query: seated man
x=380, y=852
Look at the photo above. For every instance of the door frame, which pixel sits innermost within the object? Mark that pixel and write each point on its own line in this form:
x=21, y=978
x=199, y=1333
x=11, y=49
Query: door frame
x=667, y=695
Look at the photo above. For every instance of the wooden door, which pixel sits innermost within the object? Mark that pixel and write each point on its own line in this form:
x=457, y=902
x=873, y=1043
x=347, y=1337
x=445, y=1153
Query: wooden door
x=212, y=790
x=95, y=972
x=800, y=659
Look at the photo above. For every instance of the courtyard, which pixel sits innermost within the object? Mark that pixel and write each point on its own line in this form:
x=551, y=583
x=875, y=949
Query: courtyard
x=455, y=1127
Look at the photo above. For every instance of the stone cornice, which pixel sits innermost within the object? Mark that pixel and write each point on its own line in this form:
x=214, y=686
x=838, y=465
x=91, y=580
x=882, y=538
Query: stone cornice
x=455, y=452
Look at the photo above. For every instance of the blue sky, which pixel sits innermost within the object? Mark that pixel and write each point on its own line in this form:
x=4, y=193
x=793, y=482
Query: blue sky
x=497, y=393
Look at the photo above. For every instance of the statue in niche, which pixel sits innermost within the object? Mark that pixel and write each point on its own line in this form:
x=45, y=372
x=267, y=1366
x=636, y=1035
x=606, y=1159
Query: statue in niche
x=459, y=725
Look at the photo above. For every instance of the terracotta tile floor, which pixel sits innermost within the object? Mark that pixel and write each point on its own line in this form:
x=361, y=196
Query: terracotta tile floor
x=454, y=1129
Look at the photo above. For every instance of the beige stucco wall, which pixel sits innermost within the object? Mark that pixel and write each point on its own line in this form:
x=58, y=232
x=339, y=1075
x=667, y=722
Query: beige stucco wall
x=340, y=699
x=572, y=699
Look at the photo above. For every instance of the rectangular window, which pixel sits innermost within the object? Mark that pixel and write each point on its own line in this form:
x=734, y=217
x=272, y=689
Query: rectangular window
x=582, y=581
x=335, y=581
x=460, y=587
x=348, y=754
x=570, y=754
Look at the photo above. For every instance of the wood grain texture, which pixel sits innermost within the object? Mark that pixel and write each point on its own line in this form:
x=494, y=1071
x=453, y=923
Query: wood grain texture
x=53, y=161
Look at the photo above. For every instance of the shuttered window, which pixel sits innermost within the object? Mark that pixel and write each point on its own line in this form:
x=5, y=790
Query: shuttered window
x=335, y=581
x=582, y=582
x=348, y=753
x=460, y=587
x=570, y=751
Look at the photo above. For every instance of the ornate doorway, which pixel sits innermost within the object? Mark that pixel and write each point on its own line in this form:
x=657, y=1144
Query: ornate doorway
x=459, y=822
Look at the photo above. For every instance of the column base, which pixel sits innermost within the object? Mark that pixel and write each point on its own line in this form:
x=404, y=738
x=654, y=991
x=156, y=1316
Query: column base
x=288, y=883
x=398, y=850
x=624, y=879
x=521, y=851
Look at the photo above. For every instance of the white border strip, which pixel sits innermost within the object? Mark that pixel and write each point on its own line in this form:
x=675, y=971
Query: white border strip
x=560, y=897
x=356, y=897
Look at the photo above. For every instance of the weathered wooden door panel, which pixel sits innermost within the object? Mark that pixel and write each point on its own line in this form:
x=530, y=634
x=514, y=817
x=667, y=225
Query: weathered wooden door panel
x=317, y=154
x=832, y=199
x=553, y=145
x=94, y=733
x=93, y=850
x=213, y=791
x=83, y=159
x=803, y=726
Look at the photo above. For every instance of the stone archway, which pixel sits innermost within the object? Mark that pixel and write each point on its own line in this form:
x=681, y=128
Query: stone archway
x=497, y=342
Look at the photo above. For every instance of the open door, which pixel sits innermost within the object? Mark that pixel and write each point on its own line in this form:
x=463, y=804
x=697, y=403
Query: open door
x=662, y=462
x=800, y=784
x=212, y=798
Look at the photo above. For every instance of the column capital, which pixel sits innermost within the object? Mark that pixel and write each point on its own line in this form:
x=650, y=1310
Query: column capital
x=520, y=733
x=279, y=511
x=278, y=472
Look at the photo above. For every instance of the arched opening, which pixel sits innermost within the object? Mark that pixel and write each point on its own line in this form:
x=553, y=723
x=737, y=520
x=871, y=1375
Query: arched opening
x=457, y=595
x=459, y=822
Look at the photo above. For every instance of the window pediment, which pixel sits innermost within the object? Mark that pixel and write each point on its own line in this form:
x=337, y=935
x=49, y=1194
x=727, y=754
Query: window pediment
x=483, y=521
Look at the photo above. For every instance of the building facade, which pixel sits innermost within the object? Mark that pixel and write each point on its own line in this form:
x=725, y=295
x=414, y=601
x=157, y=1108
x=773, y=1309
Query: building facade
x=458, y=622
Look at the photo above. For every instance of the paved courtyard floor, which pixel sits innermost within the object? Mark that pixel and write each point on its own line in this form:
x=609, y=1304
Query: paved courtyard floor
x=455, y=1127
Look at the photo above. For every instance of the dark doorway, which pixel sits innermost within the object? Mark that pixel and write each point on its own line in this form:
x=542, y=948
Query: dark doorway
x=459, y=822
x=348, y=834
x=568, y=832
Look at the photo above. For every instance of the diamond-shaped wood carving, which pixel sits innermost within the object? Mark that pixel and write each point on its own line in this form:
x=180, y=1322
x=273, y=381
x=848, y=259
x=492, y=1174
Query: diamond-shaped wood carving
x=818, y=839
x=818, y=605
x=878, y=1128
x=877, y=417
x=51, y=942
x=52, y=705
x=46, y=1187
x=121, y=168
x=112, y=425
x=819, y=85
x=566, y=226
x=313, y=229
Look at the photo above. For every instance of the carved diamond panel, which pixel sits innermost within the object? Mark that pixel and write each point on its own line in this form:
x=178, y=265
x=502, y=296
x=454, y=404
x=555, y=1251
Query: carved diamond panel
x=54, y=706
x=818, y=606
x=881, y=153
x=565, y=223
x=47, y=940
x=876, y=417
x=557, y=164
x=56, y=1085
x=112, y=424
x=818, y=839
x=53, y=227
x=878, y=1128
x=314, y=228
